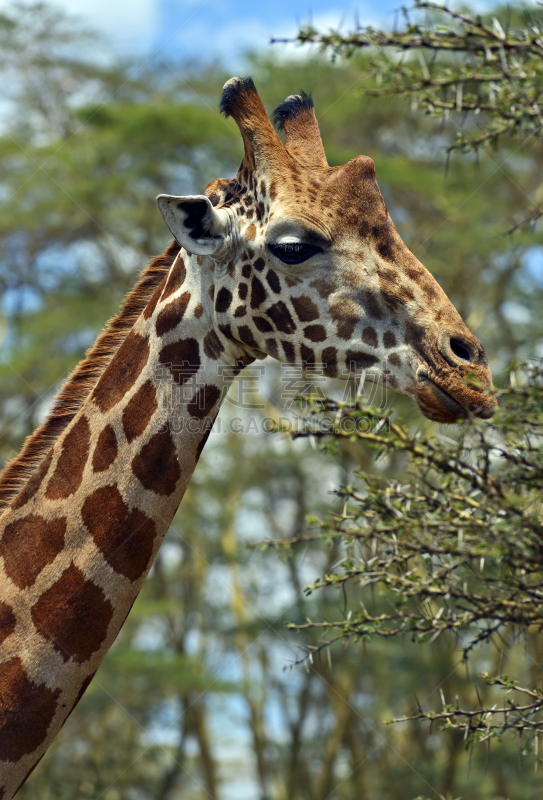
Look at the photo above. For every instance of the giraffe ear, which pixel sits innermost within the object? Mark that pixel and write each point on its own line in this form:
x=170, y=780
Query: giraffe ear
x=194, y=222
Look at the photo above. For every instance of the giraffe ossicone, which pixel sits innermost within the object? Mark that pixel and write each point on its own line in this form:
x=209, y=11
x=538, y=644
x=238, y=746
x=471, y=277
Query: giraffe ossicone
x=292, y=259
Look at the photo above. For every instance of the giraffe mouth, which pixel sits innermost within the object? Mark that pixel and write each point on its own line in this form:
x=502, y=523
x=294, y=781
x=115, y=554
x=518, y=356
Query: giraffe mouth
x=440, y=406
x=437, y=404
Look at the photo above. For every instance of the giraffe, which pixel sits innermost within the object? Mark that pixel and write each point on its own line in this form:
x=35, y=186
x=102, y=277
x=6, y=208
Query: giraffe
x=292, y=259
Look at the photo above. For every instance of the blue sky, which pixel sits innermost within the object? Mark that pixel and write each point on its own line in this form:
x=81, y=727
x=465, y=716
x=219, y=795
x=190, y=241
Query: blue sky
x=226, y=28
x=221, y=29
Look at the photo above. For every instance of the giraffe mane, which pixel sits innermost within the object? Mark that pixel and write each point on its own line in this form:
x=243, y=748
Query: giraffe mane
x=84, y=378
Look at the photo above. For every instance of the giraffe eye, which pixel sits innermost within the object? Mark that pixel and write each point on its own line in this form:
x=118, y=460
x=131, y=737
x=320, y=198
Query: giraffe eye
x=294, y=252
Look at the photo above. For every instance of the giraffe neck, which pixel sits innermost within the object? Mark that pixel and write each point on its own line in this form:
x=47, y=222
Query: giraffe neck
x=78, y=540
x=84, y=378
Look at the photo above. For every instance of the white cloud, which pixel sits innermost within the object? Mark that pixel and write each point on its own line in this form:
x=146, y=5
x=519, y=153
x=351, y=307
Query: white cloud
x=130, y=24
x=127, y=24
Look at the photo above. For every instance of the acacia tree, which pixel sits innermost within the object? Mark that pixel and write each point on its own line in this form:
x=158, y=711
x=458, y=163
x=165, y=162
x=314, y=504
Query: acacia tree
x=454, y=547
x=463, y=63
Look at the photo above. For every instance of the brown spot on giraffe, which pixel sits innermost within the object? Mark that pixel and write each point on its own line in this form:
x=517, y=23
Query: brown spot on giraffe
x=307, y=355
x=405, y=294
x=258, y=293
x=105, y=451
x=305, y=308
x=226, y=330
x=345, y=326
x=385, y=239
x=324, y=288
x=149, y=309
x=28, y=545
x=156, y=465
x=26, y=711
x=74, y=615
x=315, y=333
x=28, y=492
x=389, y=295
x=395, y=360
x=357, y=360
x=330, y=361
x=68, y=474
x=414, y=336
x=271, y=348
x=204, y=400
x=273, y=281
x=369, y=336
x=290, y=352
x=139, y=410
x=183, y=359
x=172, y=314
x=389, y=340
x=414, y=271
x=213, y=346
x=240, y=311
x=391, y=381
x=223, y=300
x=263, y=325
x=372, y=305
x=125, y=538
x=177, y=277
x=281, y=317
x=245, y=334
x=7, y=621
x=250, y=233
x=122, y=372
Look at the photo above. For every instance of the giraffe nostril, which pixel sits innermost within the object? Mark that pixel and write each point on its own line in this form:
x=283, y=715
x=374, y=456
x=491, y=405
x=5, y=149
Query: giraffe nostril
x=461, y=350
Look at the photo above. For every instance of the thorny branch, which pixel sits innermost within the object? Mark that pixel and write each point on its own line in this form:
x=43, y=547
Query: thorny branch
x=458, y=549
x=453, y=63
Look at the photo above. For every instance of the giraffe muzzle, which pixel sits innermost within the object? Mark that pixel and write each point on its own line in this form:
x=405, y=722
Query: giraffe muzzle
x=440, y=405
x=452, y=385
x=444, y=400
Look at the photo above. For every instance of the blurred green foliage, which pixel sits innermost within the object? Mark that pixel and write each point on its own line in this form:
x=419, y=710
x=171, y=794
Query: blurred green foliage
x=192, y=701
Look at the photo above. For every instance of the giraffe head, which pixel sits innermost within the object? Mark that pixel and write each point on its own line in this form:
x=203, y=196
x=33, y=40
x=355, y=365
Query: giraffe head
x=309, y=268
